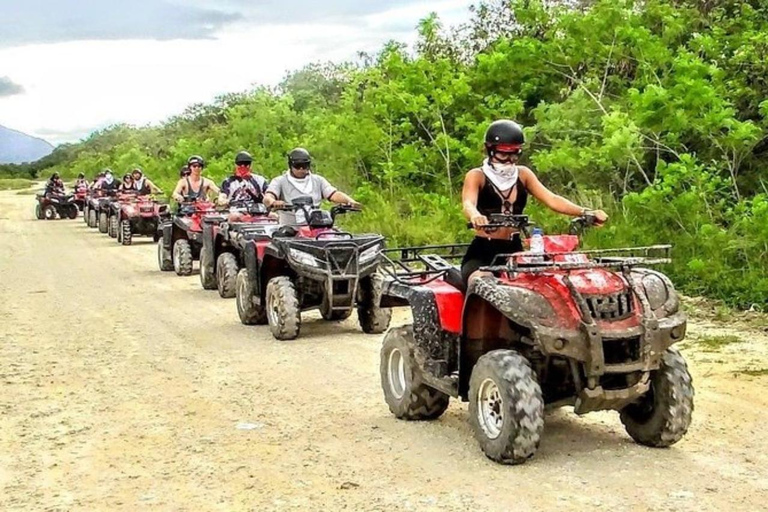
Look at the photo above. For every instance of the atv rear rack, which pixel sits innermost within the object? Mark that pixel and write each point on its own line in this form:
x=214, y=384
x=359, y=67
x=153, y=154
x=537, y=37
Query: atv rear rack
x=601, y=258
x=410, y=266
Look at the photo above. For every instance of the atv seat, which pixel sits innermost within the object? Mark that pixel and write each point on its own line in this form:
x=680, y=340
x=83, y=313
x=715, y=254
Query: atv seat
x=285, y=232
x=454, y=278
x=452, y=274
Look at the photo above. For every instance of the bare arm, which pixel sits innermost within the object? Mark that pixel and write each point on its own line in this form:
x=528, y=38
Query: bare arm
x=473, y=182
x=340, y=197
x=154, y=188
x=269, y=199
x=178, y=192
x=553, y=201
x=211, y=187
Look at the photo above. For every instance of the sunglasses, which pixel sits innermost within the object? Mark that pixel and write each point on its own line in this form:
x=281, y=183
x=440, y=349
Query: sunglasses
x=195, y=165
x=243, y=164
x=301, y=165
x=505, y=156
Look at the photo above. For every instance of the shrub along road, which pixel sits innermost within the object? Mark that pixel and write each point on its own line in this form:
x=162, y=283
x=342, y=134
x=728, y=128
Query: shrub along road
x=122, y=388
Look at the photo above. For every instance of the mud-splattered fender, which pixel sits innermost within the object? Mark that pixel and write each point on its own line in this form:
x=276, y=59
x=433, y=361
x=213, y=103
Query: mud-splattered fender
x=523, y=306
x=435, y=347
x=166, y=228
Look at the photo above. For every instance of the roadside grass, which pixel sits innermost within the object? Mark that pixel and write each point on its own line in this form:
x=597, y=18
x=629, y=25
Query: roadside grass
x=15, y=183
x=715, y=343
x=762, y=372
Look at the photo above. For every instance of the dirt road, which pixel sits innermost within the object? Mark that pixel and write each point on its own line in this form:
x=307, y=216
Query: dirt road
x=122, y=388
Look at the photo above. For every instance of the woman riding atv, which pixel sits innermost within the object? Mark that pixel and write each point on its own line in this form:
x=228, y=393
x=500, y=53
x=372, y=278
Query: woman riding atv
x=502, y=186
x=54, y=186
x=126, y=187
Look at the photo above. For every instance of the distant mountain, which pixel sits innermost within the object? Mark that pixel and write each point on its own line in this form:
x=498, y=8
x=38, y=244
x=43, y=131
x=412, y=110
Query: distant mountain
x=17, y=147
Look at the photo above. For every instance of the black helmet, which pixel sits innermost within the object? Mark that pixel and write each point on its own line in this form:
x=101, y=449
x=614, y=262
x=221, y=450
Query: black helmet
x=137, y=170
x=184, y=171
x=299, y=156
x=55, y=176
x=195, y=159
x=128, y=175
x=243, y=157
x=81, y=176
x=503, y=135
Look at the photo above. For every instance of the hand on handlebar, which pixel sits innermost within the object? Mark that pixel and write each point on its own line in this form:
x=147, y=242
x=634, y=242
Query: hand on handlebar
x=478, y=221
x=278, y=204
x=600, y=217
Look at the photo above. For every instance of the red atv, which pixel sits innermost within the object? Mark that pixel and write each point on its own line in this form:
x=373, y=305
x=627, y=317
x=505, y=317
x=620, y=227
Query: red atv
x=113, y=211
x=135, y=215
x=90, y=204
x=591, y=329
x=81, y=195
x=287, y=270
x=99, y=208
x=180, y=236
x=224, y=237
x=51, y=205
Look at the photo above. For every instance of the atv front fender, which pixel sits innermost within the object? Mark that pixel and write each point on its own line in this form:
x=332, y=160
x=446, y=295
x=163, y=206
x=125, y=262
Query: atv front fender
x=524, y=307
x=251, y=263
x=166, y=230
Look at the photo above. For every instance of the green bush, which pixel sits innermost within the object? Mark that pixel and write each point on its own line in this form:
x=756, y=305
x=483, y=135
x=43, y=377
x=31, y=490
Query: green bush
x=654, y=110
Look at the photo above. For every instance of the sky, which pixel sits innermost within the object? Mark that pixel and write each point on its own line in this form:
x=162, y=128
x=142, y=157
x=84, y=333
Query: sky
x=68, y=68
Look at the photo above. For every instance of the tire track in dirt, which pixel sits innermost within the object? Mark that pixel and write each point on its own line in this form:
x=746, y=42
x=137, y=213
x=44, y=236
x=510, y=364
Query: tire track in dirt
x=121, y=389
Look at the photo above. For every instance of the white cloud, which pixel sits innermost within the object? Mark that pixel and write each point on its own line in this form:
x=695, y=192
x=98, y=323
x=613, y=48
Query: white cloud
x=72, y=88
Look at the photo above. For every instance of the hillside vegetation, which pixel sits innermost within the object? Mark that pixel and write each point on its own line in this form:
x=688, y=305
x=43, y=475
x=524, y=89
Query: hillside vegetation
x=654, y=111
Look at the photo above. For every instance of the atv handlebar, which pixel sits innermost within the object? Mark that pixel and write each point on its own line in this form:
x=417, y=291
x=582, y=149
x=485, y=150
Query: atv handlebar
x=344, y=208
x=503, y=220
x=582, y=222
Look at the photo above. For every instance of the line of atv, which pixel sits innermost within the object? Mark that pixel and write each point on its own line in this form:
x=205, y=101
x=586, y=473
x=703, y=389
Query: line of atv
x=275, y=272
x=123, y=216
x=588, y=329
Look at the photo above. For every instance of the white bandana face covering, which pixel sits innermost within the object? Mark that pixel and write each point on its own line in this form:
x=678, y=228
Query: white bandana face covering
x=304, y=185
x=503, y=176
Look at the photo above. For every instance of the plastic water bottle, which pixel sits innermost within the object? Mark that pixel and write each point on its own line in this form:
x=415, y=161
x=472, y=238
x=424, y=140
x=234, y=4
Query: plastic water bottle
x=537, y=245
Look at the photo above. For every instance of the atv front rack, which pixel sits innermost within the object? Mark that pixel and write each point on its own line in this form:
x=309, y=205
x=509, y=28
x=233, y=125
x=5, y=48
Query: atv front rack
x=598, y=258
x=410, y=266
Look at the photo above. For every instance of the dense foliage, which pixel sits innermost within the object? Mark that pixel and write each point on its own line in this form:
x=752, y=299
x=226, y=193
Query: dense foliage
x=654, y=110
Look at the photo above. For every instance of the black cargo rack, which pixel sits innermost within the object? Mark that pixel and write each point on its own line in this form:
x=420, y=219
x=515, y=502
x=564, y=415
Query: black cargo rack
x=411, y=266
x=620, y=258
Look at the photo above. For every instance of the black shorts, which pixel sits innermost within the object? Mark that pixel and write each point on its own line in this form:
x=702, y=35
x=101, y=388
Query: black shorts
x=482, y=251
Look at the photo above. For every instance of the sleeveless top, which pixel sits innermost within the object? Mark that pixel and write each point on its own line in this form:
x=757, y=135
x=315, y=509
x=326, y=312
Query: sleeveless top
x=192, y=195
x=491, y=200
x=142, y=187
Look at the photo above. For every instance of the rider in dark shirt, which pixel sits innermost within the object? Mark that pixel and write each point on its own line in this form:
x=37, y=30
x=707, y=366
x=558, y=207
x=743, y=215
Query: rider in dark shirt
x=142, y=184
x=194, y=187
x=127, y=187
x=109, y=184
x=502, y=186
x=54, y=185
x=243, y=186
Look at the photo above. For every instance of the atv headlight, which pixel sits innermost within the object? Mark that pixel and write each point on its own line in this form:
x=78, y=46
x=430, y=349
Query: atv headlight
x=369, y=254
x=655, y=290
x=303, y=258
